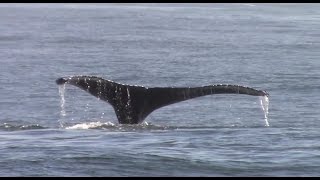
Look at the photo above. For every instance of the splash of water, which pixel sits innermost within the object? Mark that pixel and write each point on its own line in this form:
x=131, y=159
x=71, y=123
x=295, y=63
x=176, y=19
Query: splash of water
x=264, y=101
x=91, y=125
x=119, y=127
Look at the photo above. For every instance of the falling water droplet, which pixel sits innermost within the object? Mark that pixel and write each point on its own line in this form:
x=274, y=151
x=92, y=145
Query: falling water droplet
x=102, y=114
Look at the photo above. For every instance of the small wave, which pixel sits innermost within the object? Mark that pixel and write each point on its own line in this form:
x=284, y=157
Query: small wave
x=11, y=127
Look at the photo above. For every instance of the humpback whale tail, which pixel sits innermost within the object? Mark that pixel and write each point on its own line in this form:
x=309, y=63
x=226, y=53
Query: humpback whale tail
x=132, y=104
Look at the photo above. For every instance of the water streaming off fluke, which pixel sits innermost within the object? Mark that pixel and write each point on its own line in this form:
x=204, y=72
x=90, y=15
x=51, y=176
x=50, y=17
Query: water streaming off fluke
x=264, y=101
x=62, y=102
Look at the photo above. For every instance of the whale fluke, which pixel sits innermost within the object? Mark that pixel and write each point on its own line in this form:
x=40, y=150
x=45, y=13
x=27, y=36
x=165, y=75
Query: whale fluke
x=132, y=104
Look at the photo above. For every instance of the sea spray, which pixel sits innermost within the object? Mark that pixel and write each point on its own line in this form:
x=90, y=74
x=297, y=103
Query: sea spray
x=264, y=101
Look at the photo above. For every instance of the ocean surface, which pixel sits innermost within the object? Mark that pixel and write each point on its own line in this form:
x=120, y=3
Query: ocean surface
x=271, y=47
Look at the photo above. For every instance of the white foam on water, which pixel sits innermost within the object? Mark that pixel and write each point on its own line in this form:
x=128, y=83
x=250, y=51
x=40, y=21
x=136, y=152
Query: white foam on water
x=264, y=101
x=90, y=125
x=114, y=126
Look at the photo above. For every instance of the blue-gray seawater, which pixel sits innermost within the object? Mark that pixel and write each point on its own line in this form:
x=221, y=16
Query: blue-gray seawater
x=272, y=47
